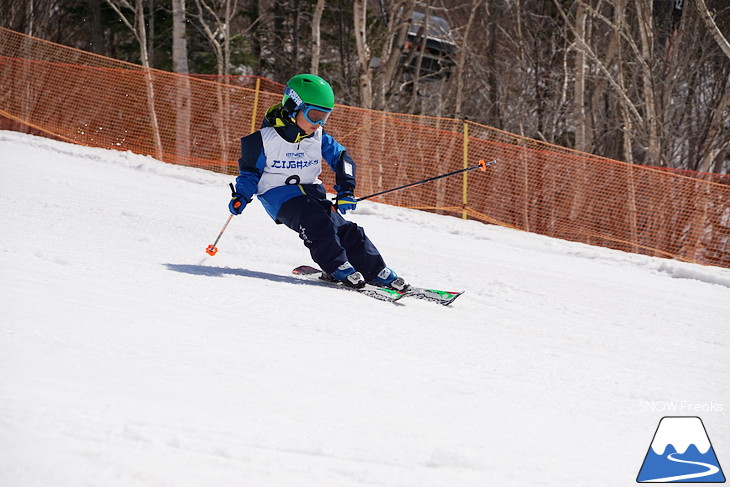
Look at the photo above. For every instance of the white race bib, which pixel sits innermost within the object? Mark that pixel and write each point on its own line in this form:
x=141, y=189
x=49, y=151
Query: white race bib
x=290, y=162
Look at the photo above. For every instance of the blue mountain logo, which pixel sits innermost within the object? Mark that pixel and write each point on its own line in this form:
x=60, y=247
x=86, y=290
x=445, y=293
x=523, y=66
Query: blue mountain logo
x=681, y=452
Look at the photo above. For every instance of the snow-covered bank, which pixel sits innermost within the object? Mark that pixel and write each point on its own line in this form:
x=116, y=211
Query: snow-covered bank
x=128, y=357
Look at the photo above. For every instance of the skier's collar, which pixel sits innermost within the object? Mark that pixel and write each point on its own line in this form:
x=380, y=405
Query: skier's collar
x=301, y=136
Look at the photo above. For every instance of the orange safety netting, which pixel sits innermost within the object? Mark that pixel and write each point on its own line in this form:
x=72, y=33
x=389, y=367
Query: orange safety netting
x=95, y=101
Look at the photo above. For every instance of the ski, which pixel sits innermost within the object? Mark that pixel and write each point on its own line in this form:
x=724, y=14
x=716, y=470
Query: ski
x=434, y=295
x=444, y=298
x=380, y=293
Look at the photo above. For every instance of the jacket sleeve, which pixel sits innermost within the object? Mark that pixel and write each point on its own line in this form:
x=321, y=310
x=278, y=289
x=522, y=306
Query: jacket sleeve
x=341, y=163
x=250, y=165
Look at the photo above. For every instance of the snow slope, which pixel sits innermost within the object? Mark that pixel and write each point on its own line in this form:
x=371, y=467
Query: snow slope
x=128, y=357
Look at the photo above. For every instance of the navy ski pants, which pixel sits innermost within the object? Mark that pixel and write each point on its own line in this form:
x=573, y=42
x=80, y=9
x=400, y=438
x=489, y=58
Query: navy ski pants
x=330, y=238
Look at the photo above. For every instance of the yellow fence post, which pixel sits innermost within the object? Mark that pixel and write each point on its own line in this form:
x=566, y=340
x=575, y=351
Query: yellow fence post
x=255, y=105
x=466, y=164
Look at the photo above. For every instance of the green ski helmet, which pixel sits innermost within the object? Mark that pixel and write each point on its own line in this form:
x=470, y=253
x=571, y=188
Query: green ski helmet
x=308, y=89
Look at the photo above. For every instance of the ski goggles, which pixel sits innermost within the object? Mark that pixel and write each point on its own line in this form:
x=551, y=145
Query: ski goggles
x=315, y=115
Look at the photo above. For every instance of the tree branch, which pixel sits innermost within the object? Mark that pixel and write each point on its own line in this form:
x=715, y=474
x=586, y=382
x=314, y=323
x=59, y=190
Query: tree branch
x=712, y=27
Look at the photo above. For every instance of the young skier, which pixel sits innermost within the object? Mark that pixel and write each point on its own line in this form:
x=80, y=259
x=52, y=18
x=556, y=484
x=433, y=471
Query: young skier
x=281, y=163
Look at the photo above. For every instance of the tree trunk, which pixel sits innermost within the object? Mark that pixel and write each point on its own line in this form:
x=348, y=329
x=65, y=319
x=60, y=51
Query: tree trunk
x=221, y=28
x=580, y=116
x=96, y=41
x=461, y=62
x=714, y=146
x=316, y=39
x=182, y=95
x=627, y=125
x=151, y=32
x=30, y=16
x=140, y=33
x=226, y=102
x=712, y=26
x=149, y=80
x=651, y=123
x=618, y=27
x=398, y=22
x=221, y=48
x=295, y=36
x=423, y=30
x=179, y=38
x=494, y=110
x=227, y=40
x=363, y=53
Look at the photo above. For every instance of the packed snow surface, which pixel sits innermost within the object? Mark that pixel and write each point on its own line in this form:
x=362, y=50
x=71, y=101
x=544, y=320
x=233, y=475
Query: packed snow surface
x=129, y=357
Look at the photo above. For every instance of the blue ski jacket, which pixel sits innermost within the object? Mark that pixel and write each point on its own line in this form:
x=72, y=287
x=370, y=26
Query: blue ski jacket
x=280, y=162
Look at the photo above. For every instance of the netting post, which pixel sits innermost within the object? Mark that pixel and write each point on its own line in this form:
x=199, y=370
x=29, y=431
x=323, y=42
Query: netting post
x=255, y=105
x=466, y=164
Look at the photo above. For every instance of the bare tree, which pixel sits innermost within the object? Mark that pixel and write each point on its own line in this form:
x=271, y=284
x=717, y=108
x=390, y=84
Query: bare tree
x=462, y=60
x=645, y=20
x=96, y=38
x=379, y=74
x=182, y=95
x=714, y=145
x=640, y=81
x=629, y=111
x=712, y=26
x=316, y=38
x=38, y=15
x=390, y=72
x=179, y=38
x=365, y=77
x=640, y=112
x=214, y=18
x=137, y=26
x=418, y=53
x=581, y=120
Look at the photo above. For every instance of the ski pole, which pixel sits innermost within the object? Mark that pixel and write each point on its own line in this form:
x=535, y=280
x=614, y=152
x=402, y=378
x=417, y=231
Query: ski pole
x=212, y=249
x=483, y=165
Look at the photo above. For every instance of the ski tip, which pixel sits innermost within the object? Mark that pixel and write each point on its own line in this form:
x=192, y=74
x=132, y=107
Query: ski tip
x=304, y=270
x=443, y=298
x=456, y=295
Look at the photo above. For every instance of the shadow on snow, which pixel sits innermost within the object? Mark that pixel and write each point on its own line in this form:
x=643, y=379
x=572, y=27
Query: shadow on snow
x=212, y=271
